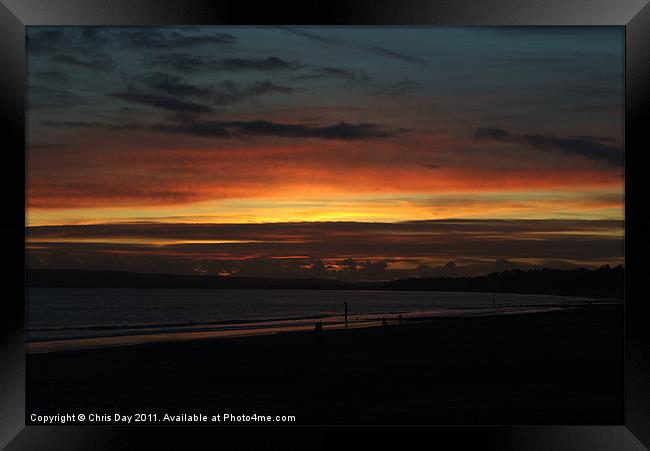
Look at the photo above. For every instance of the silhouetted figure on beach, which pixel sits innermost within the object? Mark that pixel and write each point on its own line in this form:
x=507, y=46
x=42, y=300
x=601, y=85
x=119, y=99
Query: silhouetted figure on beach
x=345, y=304
x=399, y=318
x=318, y=332
x=383, y=321
x=494, y=301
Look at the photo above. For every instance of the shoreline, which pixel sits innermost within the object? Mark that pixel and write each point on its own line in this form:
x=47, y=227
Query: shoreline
x=267, y=327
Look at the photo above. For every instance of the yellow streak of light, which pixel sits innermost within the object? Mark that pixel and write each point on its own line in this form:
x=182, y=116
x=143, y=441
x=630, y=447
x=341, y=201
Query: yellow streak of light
x=372, y=207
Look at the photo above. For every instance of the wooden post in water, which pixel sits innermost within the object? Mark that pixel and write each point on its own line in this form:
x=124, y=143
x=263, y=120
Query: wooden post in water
x=494, y=301
x=345, y=304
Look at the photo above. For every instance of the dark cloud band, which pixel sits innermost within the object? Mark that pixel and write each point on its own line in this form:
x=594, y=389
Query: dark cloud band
x=162, y=102
x=103, y=64
x=231, y=129
x=590, y=147
x=344, y=249
x=184, y=62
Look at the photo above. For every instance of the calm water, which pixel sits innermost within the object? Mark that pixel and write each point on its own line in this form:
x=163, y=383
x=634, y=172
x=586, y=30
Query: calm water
x=64, y=313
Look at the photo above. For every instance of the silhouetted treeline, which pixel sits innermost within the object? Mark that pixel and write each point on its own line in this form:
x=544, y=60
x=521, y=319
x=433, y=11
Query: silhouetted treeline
x=603, y=282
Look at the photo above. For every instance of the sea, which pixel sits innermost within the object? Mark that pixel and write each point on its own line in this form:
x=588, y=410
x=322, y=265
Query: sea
x=73, y=318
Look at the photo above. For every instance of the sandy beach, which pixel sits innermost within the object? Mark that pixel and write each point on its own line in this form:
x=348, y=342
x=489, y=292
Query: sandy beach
x=558, y=367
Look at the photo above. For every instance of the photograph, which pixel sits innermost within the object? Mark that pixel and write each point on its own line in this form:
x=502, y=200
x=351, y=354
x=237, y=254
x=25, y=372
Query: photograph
x=324, y=225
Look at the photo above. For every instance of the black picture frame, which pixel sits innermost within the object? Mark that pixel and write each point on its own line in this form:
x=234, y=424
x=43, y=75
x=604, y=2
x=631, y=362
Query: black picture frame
x=634, y=15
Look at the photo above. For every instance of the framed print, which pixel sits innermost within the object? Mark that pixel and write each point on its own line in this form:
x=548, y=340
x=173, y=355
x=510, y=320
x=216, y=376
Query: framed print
x=424, y=217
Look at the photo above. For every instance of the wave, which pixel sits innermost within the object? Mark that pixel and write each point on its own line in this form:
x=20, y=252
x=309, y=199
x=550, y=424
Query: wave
x=37, y=334
x=40, y=333
x=176, y=324
x=264, y=327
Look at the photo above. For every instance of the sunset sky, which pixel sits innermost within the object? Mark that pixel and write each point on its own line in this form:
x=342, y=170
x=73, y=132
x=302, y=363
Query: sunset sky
x=350, y=152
